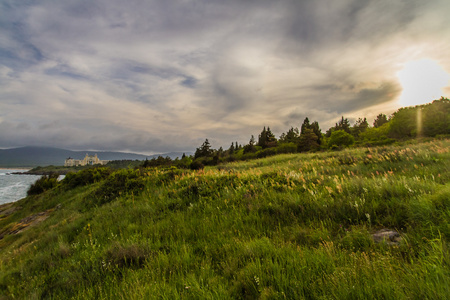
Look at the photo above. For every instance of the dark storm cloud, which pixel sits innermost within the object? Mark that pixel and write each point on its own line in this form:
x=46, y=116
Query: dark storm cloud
x=161, y=75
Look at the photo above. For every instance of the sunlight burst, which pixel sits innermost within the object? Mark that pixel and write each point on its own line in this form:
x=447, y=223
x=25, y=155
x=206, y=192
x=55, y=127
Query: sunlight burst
x=422, y=82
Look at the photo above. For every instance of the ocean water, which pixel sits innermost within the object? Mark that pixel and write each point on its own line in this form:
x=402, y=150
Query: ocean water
x=14, y=187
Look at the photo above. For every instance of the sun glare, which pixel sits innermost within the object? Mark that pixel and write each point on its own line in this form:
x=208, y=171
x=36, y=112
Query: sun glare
x=422, y=82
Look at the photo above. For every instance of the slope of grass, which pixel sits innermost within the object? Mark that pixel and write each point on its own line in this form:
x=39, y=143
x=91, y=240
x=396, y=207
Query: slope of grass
x=290, y=226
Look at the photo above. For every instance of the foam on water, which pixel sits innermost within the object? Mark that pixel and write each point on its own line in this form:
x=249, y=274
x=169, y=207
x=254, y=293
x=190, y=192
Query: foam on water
x=14, y=187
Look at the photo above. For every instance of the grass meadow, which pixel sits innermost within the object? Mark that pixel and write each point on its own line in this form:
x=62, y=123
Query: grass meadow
x=291, y=226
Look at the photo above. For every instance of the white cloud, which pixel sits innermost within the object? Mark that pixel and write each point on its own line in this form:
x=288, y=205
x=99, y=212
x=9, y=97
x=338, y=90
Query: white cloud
x=162, y=76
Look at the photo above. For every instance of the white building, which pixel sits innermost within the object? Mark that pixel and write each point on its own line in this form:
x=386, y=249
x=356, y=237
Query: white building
x=88, y=160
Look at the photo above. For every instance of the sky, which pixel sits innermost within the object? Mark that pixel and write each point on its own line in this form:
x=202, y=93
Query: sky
x=155, y=76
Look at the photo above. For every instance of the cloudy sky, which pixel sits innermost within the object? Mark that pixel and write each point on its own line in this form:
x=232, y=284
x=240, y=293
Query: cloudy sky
x=154, y=76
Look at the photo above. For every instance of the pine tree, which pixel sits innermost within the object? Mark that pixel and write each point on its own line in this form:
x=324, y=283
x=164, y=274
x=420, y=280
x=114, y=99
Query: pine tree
x=344, y=124
x=380, y=120
x=250, y=147
x=262, y=138
x=267, y=138
x=204, y=150
x=316, y=129
x=271, y=140
x=360, y=126
x=314, y=126
x=308, y=141
x=231, y=149
x=290, y=137
x=305, y=125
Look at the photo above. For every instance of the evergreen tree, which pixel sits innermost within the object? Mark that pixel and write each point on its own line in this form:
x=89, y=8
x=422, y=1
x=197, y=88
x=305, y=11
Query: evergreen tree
x=308, y=141
x=314, y=126
x=231, y=149
x=380, y=120
x=360, y=126
x=262, y=138
x=252, y=141
x=250, y=147
x=220, y=152
x=291, y=136
x=271, y=140
x=305, y=125
x=267, y=138
x=204, y=150
x=344, y=124
x=316, y=129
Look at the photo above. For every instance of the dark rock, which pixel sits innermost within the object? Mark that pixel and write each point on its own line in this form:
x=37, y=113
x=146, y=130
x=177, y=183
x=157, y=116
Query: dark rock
x=391, y=237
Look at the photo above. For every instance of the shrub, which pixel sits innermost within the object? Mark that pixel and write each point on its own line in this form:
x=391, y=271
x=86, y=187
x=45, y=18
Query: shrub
x=46, y=182
x=287, y=148
x=266, y=152
x=126, y=256
x=123, y=182
x=196, y=165
x=340, y=138
x=85, y=177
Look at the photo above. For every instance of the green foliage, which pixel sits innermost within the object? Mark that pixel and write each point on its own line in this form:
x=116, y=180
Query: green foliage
x=308, y=141
x=287, y=148
x=204, y=150
x=267, y=139
x=196, y=165
x=376, y=136
x=121, y=183
x=380, y=120
x=340, y=138
x=294, y=226
x=291, y=136
x=402, y=126
x=85, y=177
x=359, y=127
x=404, y=123
x=250, y=147
x=436, y=117
x=46, y=182
x=123, y=164
x=425, y=120
x=314, y=127
x=343, y=124
x=157, y=162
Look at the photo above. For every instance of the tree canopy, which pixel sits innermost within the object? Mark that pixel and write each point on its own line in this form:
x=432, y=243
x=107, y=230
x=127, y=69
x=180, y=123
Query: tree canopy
x=428, y=120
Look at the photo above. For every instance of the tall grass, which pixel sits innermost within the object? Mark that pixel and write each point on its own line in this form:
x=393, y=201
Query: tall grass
x=292, y=226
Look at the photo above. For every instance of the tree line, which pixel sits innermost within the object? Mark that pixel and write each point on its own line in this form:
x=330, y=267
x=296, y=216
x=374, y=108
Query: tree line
x=428, y=120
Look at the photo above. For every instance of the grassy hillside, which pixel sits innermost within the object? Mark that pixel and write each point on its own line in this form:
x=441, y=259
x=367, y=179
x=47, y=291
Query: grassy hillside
x=291, y=226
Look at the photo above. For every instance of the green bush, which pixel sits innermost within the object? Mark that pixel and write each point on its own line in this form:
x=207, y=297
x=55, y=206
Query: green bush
x=46, y=182
x=120, y=183
x=340, y=138
x=196, y=165
x=85, y=177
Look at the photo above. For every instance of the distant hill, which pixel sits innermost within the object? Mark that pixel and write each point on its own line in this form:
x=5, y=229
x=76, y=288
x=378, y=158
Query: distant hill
x=45, y=156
